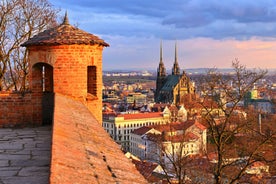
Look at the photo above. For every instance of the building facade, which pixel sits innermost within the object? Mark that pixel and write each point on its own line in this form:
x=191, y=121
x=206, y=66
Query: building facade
x=164, y=141
x=120, y=126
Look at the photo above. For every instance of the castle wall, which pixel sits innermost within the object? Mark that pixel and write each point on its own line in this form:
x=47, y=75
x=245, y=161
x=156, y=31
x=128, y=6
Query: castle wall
x=82, y=152
x=19, y=110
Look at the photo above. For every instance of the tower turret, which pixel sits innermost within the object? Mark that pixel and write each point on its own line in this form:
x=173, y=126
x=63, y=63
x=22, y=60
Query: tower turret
x=68, y=61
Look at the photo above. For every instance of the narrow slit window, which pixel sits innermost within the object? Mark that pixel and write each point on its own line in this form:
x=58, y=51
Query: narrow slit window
x=92, y=80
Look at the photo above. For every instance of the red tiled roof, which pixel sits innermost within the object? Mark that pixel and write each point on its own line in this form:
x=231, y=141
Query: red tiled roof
x=141, y=115
x=144, y=167
x=190, y=136
x=64, y=34
x=174, y=126
x=200, y=126
x=169, y=127
x=141, y=130
x=154, y=137
x=189, y=123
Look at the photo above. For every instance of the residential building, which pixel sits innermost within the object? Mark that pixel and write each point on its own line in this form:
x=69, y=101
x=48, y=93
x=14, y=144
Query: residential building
x=119, y=126
x=137, y=98
x=178, y=138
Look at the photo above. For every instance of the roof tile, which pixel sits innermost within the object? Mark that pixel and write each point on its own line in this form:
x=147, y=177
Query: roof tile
x=64, y=34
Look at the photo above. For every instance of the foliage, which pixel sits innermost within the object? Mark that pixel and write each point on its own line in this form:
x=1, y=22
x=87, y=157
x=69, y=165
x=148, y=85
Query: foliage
x=237, y=141
x=19, y=21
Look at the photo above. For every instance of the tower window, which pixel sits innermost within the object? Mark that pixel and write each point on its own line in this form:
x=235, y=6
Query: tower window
x=92, y=80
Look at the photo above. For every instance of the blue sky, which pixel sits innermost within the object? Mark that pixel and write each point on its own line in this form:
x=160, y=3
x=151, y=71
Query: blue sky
x=208, y=33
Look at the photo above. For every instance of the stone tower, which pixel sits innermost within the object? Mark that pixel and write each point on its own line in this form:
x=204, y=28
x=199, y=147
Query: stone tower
x=175, y=69
x=66, y=60
x=161, y=72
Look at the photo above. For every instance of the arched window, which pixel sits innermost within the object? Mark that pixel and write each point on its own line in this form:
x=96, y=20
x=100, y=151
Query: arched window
x=42, y=77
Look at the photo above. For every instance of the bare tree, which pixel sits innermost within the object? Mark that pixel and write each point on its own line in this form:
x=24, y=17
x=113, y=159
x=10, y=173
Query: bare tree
x=236, y=138
x=173, y=160
x=177, y=150
x=19, y=21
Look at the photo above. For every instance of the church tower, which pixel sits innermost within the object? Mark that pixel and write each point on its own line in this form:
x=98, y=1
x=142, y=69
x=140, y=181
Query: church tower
x=175, y=69
x=161, y=72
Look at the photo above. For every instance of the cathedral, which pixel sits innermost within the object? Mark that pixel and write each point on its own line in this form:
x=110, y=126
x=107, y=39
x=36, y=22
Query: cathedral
x=172, y=88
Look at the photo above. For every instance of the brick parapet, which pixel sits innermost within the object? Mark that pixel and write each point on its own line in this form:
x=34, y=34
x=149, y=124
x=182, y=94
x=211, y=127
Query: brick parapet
x=17, y=109
x=82, y=152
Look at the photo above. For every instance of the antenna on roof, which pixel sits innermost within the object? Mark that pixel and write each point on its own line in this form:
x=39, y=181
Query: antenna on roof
x=65, y=20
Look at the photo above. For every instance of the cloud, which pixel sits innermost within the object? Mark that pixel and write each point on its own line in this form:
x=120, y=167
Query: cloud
x=174, y=19
x=209, y=32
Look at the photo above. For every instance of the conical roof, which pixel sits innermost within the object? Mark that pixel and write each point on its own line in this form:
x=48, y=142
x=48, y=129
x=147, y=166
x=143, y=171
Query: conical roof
x=64, y=34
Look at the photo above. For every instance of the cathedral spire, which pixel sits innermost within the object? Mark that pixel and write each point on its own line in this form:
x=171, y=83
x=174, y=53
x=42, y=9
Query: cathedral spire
x=176, y=69
x=161, y=52
x=161, y=71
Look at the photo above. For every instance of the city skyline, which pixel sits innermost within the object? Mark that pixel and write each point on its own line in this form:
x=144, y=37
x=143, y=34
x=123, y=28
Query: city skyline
x=208, y=34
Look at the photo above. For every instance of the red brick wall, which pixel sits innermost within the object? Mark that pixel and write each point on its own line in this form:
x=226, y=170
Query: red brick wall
x=70, y=71
x=18, y=110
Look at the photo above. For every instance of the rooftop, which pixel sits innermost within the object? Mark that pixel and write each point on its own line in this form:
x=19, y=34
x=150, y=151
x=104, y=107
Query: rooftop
x=141, y=115
x=64, y=34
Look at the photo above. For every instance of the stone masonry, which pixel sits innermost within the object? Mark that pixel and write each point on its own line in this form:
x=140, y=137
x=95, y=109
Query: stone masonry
x=25, y=155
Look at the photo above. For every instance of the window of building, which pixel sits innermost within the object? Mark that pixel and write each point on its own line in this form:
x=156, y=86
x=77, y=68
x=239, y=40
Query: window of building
x=92, y=80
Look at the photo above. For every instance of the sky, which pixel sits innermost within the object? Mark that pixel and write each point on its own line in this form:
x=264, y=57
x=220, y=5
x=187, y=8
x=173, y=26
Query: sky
x=208, y=34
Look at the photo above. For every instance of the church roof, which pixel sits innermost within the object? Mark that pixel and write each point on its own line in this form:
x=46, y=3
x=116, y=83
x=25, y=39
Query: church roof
x=64, y=34
x=171, y=82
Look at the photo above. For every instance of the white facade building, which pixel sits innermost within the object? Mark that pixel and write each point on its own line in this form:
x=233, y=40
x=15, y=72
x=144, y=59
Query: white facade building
x=149, y=143
x=120, y=126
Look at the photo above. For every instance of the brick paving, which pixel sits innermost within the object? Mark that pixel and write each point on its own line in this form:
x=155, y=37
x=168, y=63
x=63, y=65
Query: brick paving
x=25, y=155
